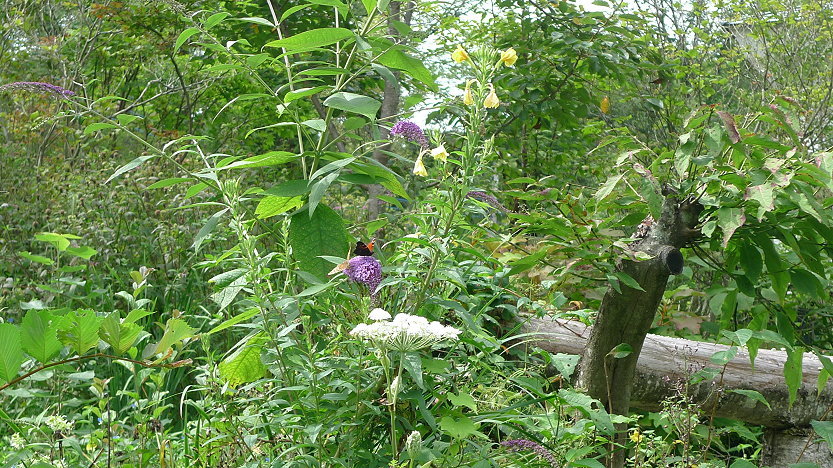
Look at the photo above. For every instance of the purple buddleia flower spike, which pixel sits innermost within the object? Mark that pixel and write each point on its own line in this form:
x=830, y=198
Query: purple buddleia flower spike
x=487, y=199
x=410, y=131
x=365, y=270
x=516, y=445
x=38, y=87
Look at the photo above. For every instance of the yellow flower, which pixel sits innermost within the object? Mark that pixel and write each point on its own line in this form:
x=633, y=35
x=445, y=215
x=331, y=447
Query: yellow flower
x=636, y=437
x=440, y=153
x=509, y=57
x=460, y=55
x=419, y=167
x=605, y=105
x=468, y=99
x=491, y=100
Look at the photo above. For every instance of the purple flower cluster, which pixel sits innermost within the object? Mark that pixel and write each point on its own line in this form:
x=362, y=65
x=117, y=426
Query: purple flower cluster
x=486, y=198
x=516, y=445
x=365, y=270
x=39, y=87
x=410, y=131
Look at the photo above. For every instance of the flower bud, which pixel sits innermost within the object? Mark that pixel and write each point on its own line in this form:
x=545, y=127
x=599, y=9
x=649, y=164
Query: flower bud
x=491, y=101
x=419, y=167
x=413, y=444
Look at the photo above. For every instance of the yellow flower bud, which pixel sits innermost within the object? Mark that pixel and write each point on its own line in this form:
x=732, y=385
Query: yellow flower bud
x=419, y=167
x=509, y=57
x=491, y=101
x=440, y=153
x=468, y=99
x=605, y=105
x=460, y=55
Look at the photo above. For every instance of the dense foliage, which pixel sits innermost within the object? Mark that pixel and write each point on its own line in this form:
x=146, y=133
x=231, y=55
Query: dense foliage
x=305, y=233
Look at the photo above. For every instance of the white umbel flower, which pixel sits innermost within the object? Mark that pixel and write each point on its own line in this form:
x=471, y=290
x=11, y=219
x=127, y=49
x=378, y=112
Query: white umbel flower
x=378, y=314
x=58, y=423
x=17, y=441
x=405, y=332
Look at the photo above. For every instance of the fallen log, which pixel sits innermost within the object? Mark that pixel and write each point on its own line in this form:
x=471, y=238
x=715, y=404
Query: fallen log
x=667, y=360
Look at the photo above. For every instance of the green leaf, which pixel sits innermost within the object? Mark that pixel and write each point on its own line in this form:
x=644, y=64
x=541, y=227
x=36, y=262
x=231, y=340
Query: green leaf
x=38, y=337
x=793, y=371
x=356, y=103
x=622, y=350
x=244, y=365
x=125, y=119
x=215, y=19
x=11, y=353
x=763, y=194
x=753, y=395
x=741, y=463
x=369, y=5
x=36, y=258
x=729, y=220
x=413, y=364
x=183, y=36
x=588, y=462
x=60, y=241
x=241, y=317
x=463, y=399
x=527, y=262
x=207, y=229
x=825, y=430
x=750, y=259
x=628, y=280
x=399, y=60
x=290, y=188
x=607, y=188
x=82, y=252
x=272, y=206
x=79, y=329
x=176, y=330
x=721, y=358
x=459, y=428
x=97, y=126
x=303, y=92
x=272, y=158
x=120, y=336
x=312, y=39
x=261, y=21
x=129, y=166
x=323, y=233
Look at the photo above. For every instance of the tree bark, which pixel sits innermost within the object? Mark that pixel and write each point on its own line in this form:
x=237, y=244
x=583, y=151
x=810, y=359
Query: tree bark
x=626, y=316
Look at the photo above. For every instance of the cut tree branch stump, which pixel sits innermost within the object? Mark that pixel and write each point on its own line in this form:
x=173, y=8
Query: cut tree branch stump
x=666, y=360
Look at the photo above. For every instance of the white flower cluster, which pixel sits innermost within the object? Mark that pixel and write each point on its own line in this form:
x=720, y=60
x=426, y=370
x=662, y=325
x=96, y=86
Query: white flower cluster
x=58, y=423
x=17, y=441
x=405, y=332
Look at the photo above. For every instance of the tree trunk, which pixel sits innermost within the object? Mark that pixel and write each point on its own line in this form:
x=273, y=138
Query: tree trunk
x=626, y=316
x=664, y=361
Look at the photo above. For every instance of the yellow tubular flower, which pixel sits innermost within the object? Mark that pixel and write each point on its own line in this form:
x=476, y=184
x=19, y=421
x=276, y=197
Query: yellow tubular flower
x=468, y=99
x=491, y=101
x=419, y=167
x=509, y=57
x=460, y=55
x=440, y=153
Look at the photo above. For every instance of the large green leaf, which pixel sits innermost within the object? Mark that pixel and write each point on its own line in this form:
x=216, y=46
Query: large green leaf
x=38, y=337
x=244, y=365
x=11, y=353
x=399, y=60
x=355, y=103
x=793, y=371
x=312, y=39
x=176, y=330
x=272, y=206
x=323, y=233
x=120, y=335
x=729, y=220
x=79, y=329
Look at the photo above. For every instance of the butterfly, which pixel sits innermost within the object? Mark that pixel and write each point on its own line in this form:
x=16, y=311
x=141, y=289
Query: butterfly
x=360, y=250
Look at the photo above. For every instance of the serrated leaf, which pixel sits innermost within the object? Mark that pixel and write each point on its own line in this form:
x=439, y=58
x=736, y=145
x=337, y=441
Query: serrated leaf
x=78, y=329
x=120, y=336
x=39, y=337
x=323, y=233
x=356, y=103
x=11, y=353
x=176, y=330
x=244, y=365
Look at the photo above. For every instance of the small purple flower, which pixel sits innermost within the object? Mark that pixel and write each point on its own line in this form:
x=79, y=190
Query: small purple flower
x=365, y=270
x=516, y=445
x=39, y=87
x=410, y=131
x=487, y=199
